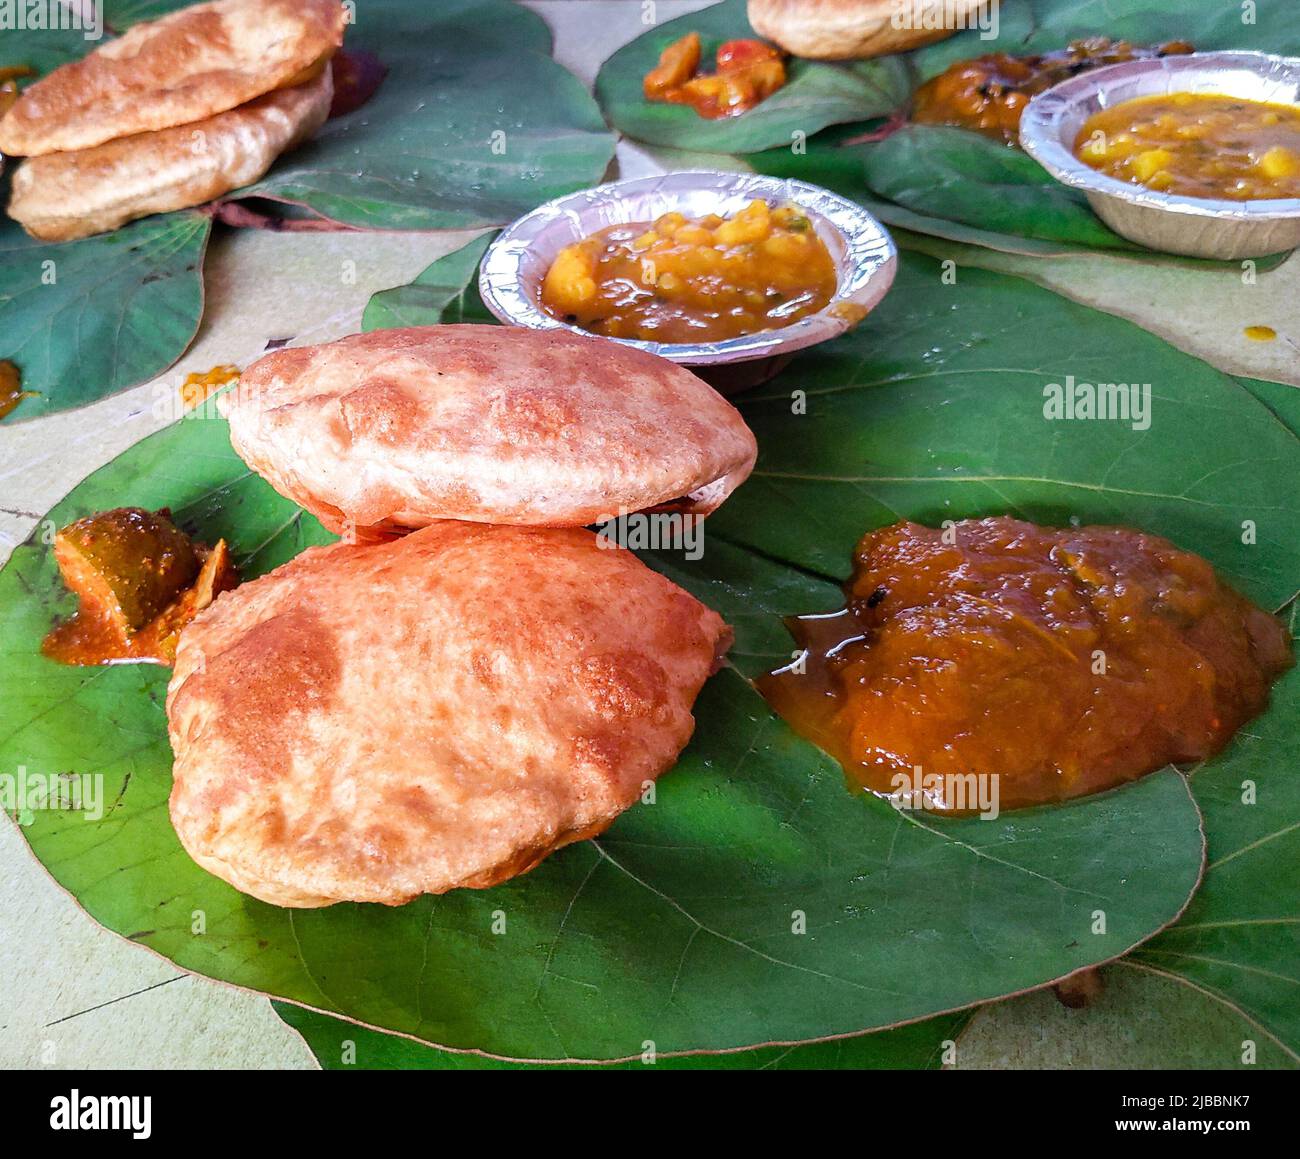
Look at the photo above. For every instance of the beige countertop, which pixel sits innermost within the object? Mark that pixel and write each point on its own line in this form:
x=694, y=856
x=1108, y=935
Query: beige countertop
x=74, y=995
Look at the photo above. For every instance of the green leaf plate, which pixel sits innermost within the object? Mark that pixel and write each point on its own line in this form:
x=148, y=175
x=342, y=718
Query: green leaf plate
x=758, y=901
x=85, y=319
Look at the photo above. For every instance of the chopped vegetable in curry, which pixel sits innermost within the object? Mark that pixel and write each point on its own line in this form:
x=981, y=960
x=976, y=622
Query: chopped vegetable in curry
x=693, y=280
x=1197, y=145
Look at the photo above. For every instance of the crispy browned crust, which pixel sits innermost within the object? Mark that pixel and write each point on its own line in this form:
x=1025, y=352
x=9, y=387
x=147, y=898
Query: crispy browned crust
x=398, y=428
x=182, y=68
x=370, y=723
x=845, y=29
x=63, y=196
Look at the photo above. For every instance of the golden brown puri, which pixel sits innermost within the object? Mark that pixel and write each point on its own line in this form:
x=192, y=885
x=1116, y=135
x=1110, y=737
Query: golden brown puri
x=184, y=67
x=370, y=723
x=492, y=424
x=851, y=29
x=69, y=195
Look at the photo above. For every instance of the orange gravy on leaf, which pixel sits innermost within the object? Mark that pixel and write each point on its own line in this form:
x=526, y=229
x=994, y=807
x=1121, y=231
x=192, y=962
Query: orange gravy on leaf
x=1062, y=661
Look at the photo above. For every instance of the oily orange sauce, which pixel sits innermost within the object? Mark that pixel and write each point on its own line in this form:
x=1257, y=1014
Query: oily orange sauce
x=139, y=580
x=11, y=388
x=200, y=383
x=1197, y=145
x=1060, y=661
x=747, y=73
x=988, y=94
x=693, y=280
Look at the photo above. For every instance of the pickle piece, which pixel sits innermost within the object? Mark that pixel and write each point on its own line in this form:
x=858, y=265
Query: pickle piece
x=126, y=564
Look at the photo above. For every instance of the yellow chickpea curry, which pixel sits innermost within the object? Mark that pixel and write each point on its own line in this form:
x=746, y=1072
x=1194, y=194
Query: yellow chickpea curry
x=140, y=580
x=747, y=73
x=1197, y=145
x=705, y=279
x=988, y=94
x=1060, y=661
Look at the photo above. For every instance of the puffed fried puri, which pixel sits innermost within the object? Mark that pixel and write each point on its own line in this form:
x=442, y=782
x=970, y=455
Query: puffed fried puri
x=172, y=114
x=394, y=429
x=61, y=196
x=182, y=68
x=375, y=722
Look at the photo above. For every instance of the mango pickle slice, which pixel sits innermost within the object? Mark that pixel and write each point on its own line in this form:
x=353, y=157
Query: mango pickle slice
x=128, y=563
x=139, y=580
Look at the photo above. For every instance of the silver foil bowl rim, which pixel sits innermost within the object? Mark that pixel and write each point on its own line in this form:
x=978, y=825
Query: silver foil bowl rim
x=1052, y=120
x=865, y=257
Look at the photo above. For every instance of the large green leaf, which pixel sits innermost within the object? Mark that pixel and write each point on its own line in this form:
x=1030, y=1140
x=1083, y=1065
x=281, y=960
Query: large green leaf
x=341, y=1045
x=473, y=125
x=1237, y=947
x=980, y=182
x=816, y=94
x=678, y=926
x=86, y=319
x=1197, y=476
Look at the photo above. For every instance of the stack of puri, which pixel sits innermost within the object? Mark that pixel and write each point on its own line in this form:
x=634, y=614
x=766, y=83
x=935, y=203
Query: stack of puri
x=470, y=679
x=172, y=114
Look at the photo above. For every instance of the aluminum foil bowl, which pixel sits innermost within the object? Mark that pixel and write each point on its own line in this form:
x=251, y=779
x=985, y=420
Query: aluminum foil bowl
x=1200, y=227
x=511, y=275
